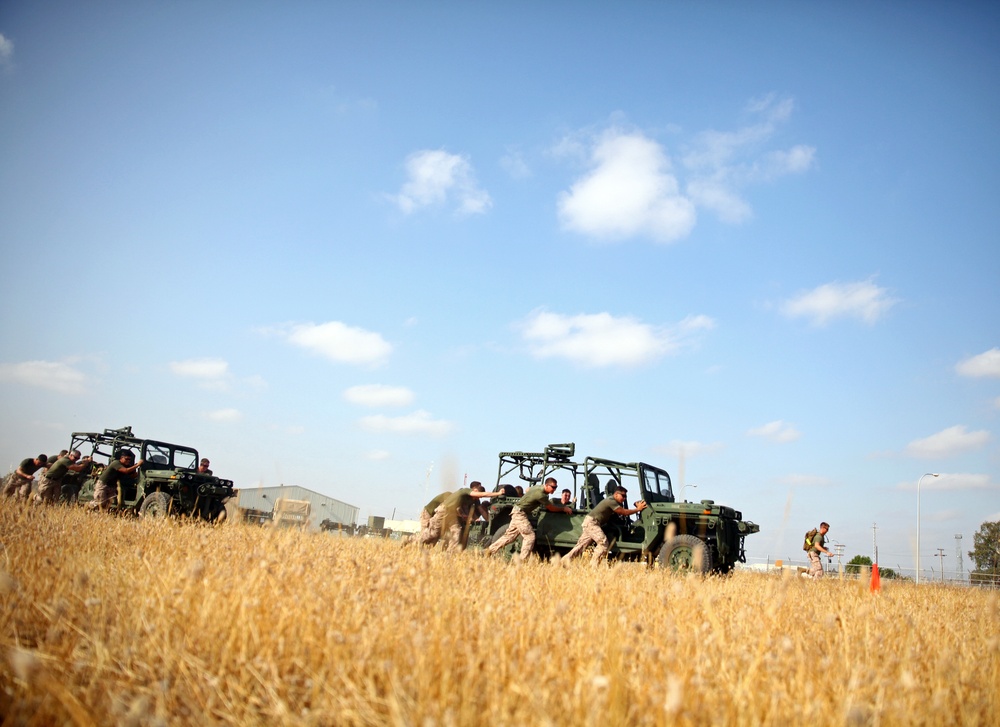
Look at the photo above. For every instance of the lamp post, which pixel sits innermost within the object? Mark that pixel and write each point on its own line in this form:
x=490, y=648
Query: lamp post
x=685, y=486
x=926, y=474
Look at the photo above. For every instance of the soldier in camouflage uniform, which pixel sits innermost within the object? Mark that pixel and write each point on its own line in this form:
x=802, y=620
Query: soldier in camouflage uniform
x=50, y=483
x=593, y=525
x=18, y=482
x=536, y=497
x=815, y=562
x=446, y=516
x=118, y=472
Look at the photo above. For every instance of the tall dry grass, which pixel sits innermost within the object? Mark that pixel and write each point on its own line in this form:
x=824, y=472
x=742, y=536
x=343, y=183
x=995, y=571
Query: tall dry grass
x=105, y=620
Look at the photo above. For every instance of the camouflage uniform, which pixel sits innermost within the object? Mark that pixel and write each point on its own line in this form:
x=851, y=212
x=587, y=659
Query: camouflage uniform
x=50, y=483
x=534, y=498
x=107, y=485
x=815, y=563
x=16, y=485
x=593, y=531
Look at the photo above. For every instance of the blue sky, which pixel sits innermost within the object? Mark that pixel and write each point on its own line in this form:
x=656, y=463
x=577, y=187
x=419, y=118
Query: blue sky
x=344, y=245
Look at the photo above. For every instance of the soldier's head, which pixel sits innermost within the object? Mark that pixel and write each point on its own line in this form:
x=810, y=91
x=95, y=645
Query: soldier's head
x=126, y=456
x=74, y=455
x=203, y=465
x=41, y=459
x=620, y=494
x=550, y=485
x=477, y=486
x=824, y=527
x=564, y=496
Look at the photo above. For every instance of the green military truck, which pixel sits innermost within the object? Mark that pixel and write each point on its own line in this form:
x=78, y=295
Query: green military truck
x=701, y=537
x=167, y=482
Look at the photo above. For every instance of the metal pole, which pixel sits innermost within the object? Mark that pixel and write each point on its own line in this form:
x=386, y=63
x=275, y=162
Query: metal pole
x=926, y=474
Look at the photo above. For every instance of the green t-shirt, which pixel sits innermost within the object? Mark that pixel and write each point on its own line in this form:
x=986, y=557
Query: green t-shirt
x=459, y=499
x=431, y=506
x=113, y=475
x=819, y=540
x=58, y=470
x=533, y=499
x=29, y=467
x=604, y=510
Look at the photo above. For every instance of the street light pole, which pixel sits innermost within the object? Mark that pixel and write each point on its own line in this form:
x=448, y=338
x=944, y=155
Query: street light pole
x=683, y=487
x=926, y=474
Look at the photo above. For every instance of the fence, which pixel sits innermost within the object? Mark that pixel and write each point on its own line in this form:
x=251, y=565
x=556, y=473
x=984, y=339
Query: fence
x=834, y=567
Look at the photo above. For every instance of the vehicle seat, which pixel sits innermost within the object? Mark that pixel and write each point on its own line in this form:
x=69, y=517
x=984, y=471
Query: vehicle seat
x=592, y=491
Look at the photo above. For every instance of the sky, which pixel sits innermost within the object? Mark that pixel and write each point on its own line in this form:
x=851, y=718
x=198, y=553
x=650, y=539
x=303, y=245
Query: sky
x=363, y=247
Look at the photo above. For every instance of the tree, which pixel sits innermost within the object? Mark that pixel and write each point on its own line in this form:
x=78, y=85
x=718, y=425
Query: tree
x=985, y=551
x=854, y=567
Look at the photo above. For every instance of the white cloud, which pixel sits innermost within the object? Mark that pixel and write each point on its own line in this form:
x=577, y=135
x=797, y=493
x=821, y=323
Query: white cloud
x=338, y=342
x=513, y=163
x=201, y=368
x=224, y=415
x=419, y=422
x=947, y=443
x=6, y=50
x=863, y=300
x=985, y=364
x=776, y=431
x=377, y=455
x=630, y=191
x=674, y=447
x=950, y=481
x=600, y=339
x=437, y=178
x=720, y=163
x=51, y=375
x=379, y=395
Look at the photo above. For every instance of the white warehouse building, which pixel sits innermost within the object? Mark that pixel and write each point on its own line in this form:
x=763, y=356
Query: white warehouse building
x=323, y=507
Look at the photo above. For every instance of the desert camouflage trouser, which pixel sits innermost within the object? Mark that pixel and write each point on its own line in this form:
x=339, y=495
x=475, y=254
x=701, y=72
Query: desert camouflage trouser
x=592, y=533
x=14, y=485
x=519, y=525
x=432, y=533
x=815, y=564
x=48, y=490
x=103, y=495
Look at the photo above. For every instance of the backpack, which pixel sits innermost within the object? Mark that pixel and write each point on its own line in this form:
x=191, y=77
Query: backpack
x=808, y=543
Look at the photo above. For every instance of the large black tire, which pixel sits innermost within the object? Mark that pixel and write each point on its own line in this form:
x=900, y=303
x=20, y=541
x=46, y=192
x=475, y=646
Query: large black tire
x=685, y=554
x=156, y=504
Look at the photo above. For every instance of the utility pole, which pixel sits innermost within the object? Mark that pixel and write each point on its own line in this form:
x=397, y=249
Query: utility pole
x=874, y=544
x=941, y=556
x=958, y=551
x=839, y=552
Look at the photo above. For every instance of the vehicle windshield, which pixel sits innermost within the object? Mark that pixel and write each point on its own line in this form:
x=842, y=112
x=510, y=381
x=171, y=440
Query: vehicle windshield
x=657, y=482
x=170, y=457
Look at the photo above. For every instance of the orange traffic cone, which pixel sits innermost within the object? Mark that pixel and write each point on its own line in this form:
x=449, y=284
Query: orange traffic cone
x=876, y=584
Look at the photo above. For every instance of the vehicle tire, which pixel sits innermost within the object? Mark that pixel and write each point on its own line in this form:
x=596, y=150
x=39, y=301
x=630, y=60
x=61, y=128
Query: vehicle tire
x=685, y=554
x=156, y=504
x=508, y=551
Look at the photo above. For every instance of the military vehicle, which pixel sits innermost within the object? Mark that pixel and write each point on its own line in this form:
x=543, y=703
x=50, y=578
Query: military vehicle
x=701, y=537
x=167, y=482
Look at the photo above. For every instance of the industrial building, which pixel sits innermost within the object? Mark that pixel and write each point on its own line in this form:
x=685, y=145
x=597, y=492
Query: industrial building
x=262, y=499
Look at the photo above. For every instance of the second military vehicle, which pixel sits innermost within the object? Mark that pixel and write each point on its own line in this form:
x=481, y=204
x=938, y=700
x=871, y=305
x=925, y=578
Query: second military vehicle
x=167, y=482
x=701, y=537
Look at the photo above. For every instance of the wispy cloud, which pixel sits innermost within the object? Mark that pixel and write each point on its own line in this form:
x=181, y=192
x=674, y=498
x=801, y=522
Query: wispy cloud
x=862, y=300
x=806, y=481
x=52, y=375
x=377, y=455
x=379, y=395
x=600, y=339
x=336, y=341
x=722, y=163
x=214, y=374
x=986, y=364
x=950, y=481
x=6, y=51
x=514, y=164
x=419, y=422
x=224, y=415
x=776, y=431
x=628, y=191
x=690, y=448
x=947, y=443
x=438, y=178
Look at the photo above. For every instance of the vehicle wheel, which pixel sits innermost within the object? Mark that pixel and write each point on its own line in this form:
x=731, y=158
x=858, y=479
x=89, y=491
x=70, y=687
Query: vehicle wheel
x=685, y=553
x=156, y=504
x=508, y=551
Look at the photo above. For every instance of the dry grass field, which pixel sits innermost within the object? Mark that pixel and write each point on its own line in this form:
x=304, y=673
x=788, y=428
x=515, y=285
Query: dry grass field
x=106, y=620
